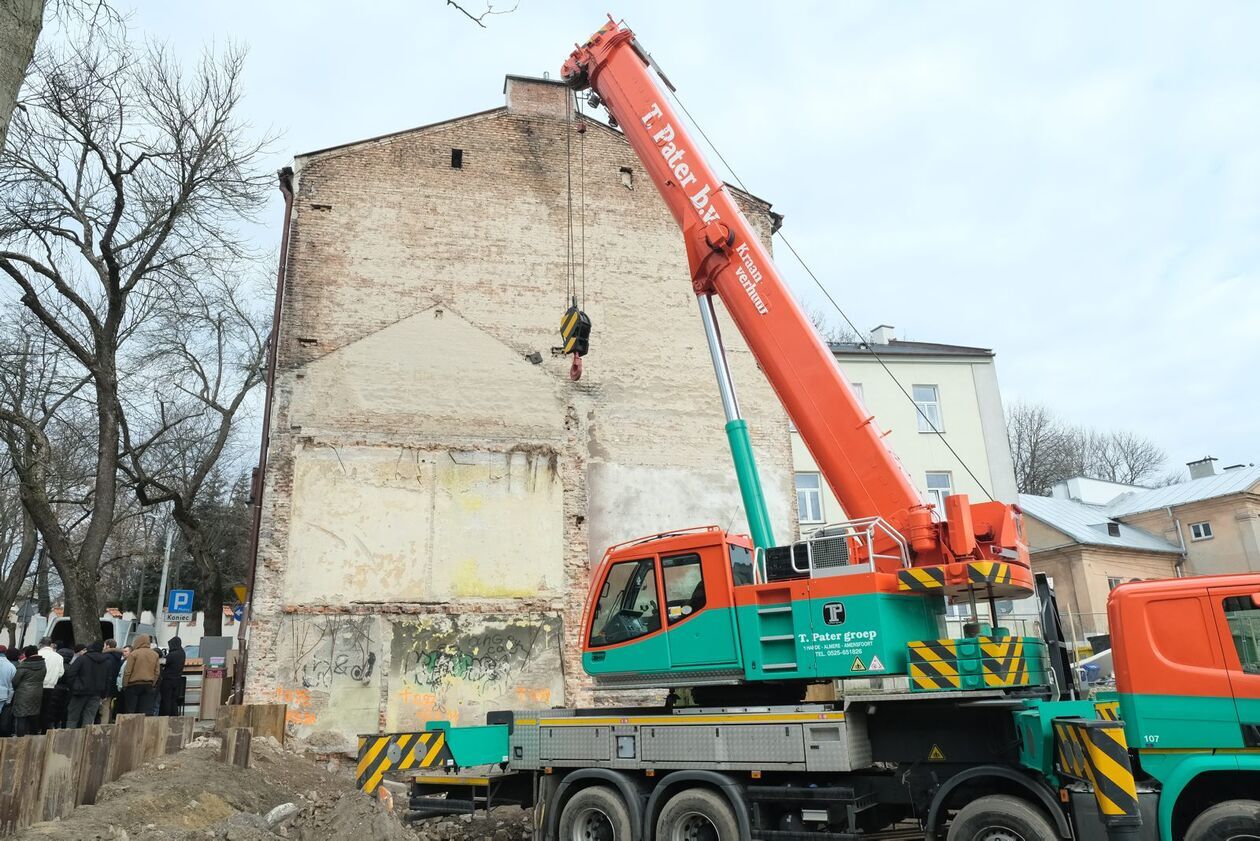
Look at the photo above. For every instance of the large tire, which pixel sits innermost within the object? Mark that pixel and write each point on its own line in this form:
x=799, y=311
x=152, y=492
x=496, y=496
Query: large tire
x=1000, y=817
x=596, y=813
x=697, y=814
x=1233, y=820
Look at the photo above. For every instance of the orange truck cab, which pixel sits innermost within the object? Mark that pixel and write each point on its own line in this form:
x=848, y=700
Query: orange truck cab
x=1186, y=654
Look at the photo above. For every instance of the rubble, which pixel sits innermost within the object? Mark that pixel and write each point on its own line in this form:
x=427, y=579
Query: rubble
x=284, y=794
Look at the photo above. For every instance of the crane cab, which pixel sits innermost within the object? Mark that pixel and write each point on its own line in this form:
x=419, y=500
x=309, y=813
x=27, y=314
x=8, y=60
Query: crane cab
x=703, y=607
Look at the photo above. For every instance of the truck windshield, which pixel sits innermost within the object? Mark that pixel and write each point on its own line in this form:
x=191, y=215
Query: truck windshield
x=1244, y=626
x=627, y=606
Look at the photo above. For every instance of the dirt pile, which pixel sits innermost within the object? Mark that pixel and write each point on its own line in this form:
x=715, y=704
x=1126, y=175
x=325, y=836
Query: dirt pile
x=191, y=795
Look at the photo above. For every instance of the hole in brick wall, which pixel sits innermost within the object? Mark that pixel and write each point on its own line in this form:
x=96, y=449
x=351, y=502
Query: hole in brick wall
x=457, y=159
x=579, y=519
x=321, y=207
x=627, y=178
x=307, y=342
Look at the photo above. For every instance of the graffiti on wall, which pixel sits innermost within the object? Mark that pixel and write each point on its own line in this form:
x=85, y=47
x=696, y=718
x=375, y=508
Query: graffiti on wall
x=328, y=648
x=330, y=672
x=458, y=668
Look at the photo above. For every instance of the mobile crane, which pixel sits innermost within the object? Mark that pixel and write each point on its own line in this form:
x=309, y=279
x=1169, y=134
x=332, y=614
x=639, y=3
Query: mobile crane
x=981, y=738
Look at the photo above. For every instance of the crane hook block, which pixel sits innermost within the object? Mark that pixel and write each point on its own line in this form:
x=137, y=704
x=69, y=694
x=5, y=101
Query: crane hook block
x=575, y=331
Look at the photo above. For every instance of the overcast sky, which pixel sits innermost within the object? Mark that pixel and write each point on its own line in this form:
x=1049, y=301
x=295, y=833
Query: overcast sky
x=1075, y=185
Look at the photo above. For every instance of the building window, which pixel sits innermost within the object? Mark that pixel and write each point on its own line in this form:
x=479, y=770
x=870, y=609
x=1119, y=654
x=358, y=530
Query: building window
x=1200, y=531
x=857, y=389
x=928, y=401
x=809, y=508
x=1113, y=581
x=457, y=159
x=940, y=484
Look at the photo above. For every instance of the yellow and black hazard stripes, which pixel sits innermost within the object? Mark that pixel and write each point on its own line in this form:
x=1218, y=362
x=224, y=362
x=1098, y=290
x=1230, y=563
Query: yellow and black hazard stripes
x=976, y=663
x=379, y=755
x=921, y=579
x=575, y=331
x=1009, y=662
x=1107, y=710
x=988, y=572
x=1096, y=752
x=934, y=665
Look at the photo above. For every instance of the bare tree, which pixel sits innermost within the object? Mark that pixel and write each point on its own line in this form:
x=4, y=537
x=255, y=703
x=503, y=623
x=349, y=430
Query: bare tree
x=124, y=177
x=19, y=542
x=21, y=21
x=480, y=17
x=209, y=346
x=827, y=327
x=1046, y=450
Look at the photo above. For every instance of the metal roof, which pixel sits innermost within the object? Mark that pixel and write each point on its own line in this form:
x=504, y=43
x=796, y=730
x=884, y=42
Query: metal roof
x=1238, y=480
x=1087, y=524
x=897, y=347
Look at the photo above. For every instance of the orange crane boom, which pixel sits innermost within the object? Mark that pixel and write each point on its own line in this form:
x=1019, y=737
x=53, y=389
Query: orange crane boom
x=727, y=259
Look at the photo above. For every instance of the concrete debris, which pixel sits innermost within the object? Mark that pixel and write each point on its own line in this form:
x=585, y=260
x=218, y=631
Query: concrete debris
x=281, y=812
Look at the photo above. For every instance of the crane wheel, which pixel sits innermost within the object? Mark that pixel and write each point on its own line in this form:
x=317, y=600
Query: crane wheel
x=697, y=814
x=1000, y=817
x=1233, y=820
x=596, y=813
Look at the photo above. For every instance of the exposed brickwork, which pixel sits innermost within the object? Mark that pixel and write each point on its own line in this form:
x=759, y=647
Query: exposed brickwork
x=390, y=241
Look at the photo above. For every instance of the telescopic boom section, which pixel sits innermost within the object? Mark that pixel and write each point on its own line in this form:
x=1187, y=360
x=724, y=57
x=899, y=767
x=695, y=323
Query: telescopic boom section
x=727, y=259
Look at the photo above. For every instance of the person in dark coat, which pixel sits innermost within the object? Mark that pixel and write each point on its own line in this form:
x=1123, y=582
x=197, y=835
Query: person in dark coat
x=172, y=677
x=113, y=698
x=91, y=676
x=28, y=691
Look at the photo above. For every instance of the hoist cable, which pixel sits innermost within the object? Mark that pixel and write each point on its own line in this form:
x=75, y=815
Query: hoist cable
x=568, y=165
x=582, y=181
x=863, y=345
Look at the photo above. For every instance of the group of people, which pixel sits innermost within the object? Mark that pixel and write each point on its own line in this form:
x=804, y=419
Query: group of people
x=46, y=688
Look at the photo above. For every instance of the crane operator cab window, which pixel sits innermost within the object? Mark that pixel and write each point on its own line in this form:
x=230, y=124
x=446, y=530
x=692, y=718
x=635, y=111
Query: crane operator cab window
x=684, y=586
x=741, y=565
x=627, y=606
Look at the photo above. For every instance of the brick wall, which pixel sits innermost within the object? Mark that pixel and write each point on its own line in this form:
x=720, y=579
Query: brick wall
x=435, y=492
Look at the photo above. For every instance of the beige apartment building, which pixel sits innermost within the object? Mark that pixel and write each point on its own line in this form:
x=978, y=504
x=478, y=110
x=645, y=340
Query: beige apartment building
x=1091, y=536
x=955, y=392
x=438, y=487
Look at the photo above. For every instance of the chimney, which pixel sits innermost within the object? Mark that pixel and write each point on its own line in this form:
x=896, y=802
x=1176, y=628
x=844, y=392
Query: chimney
x=530, y=97
x=1202, y=468
x=883, y=334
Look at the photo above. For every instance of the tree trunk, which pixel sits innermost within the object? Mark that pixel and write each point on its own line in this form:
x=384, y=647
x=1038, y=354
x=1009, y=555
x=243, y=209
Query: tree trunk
x=20, y=24
x=81, y=607
x=16, y=577
x=80, y=577
x=42, y=594
x=212, y=606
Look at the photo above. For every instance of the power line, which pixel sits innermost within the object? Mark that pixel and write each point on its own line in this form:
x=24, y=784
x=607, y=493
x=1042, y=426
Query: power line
x=864, y=345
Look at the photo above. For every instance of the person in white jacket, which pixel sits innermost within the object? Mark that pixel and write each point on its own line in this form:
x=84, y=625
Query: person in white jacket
x=56, y=668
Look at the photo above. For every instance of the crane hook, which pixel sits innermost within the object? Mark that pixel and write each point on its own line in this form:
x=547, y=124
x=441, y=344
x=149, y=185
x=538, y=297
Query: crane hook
x=575, y=368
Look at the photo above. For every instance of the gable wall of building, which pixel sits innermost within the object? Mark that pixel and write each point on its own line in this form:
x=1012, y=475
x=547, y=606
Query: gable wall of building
x=439, y=488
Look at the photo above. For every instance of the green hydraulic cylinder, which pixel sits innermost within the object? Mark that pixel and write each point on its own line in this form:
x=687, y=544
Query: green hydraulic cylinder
x=750, y=484
x=737, y=433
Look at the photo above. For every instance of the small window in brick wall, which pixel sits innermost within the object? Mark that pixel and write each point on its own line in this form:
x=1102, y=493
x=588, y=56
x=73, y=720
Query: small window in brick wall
x=627, y=178
x=457, y=159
